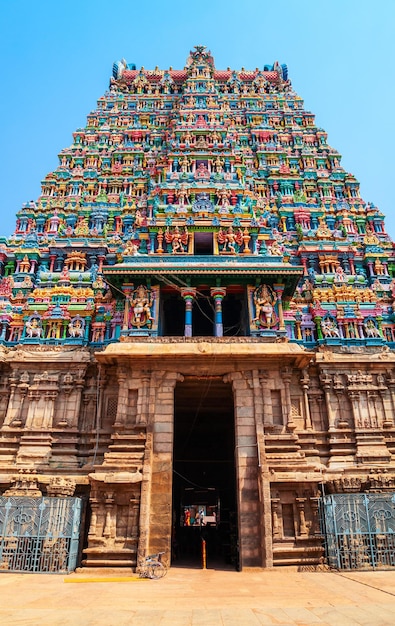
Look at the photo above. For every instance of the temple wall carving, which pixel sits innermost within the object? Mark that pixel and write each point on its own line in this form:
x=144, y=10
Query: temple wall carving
x=110, y=428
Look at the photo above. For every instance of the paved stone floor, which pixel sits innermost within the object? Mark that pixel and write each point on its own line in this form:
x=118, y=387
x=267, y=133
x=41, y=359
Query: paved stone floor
x=199, y=597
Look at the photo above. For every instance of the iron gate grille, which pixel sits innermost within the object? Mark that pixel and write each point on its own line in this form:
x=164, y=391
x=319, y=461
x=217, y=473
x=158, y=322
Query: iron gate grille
x=359, y=530
x=39, y=534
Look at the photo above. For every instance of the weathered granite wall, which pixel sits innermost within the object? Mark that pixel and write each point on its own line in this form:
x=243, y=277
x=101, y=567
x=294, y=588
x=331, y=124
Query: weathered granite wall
x=105, y=425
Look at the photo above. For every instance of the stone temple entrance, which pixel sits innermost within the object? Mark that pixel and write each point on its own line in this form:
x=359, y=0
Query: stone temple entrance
x=204, y=480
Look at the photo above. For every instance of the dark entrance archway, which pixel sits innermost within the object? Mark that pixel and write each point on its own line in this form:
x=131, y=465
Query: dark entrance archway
x=204, y=476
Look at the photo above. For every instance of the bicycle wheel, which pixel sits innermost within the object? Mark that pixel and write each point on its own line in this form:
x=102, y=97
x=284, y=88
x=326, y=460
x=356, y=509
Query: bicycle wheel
x=157, y=570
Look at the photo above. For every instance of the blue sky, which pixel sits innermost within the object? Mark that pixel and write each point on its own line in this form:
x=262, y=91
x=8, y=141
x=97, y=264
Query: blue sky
x=57, y=59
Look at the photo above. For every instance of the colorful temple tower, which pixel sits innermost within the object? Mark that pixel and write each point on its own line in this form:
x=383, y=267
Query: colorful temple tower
x=197, y=324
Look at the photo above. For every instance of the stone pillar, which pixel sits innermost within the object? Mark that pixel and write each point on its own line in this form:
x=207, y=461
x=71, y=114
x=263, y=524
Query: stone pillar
x=188, y=294
x=94, y=502
x=326, y=384
x=264, y=478
x=156, y=492
x=386, y=401
x=109, y=519
x=253, y=487
x=218, y=293
x=122, y=407
x=342, y=422
x=305, y=386
x=275, y=521
x=314, y=503
x=286, y=376
x=391, y=387
x=144, y=397
x=354, y=398
x=14, y=404
x=300, y=503
x=371, y=406
x=267, y=398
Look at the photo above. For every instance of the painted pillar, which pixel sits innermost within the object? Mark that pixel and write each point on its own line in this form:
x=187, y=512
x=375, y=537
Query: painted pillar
x=218, y=293
x=128, y=290
x=188, y=293
x=279, y=292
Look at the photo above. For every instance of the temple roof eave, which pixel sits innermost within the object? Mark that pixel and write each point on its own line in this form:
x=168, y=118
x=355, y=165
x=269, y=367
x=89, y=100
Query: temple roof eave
x=275, y=273
x=193, y=267
x=125, y=268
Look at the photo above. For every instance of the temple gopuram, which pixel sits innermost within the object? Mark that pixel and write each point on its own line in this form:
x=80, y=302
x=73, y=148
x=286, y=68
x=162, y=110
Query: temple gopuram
x=197, y=337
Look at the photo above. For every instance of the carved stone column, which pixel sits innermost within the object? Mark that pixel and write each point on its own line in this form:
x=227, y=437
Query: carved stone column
x=300, y=503
x=326, y=384
x=275, y=518
x=253, y=485
x=267, y=398
x=286, y=376
x=371, y=401
x=94, y=511
x=391, y=387
x=120, y=420
x=14, y=403
x=342, y=422
x=305, y=380
x=79, y=381
x=354, y=398
x=314, y=503
x=109, y=519
x=386, y=402
x=156, y=493
x=144, y=397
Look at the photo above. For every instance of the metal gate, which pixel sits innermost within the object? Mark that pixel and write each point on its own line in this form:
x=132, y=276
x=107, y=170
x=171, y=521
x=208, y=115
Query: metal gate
x=359, y=530
x=39, y=534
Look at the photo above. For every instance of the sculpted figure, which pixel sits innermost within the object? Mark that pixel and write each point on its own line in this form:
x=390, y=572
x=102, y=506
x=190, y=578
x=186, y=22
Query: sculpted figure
x=182, y=196
x=178, y=240
x=229, y=240
x=76, y=327
x=141, y=303
x=264, y=300
x=223, y=197
x=329, y=328
x=33, y=327
x=371, y=329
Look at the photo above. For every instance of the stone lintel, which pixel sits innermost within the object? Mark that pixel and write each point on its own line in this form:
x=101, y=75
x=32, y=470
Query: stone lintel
x=228, y=355
x=296, y=477
x=47, y=355
x=351, y=359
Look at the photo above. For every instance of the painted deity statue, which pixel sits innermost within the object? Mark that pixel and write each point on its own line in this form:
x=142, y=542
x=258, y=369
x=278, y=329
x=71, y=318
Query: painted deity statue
x=177, y=239
x=329, y=328
x=371, y=329
x=230, y=240
x=33, y=327
x=264, y=300
x=76, y=327
x=141, y=306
